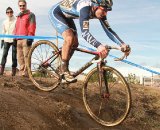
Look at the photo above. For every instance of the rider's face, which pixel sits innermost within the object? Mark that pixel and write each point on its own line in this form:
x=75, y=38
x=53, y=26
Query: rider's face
x=100, y=12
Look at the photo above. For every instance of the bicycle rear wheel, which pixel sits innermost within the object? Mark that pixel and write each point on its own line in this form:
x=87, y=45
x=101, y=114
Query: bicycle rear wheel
x=108, y=104
x=43, y=65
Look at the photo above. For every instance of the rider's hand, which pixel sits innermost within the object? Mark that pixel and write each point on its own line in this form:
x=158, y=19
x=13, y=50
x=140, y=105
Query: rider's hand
x=103, y=51
x=126, y=49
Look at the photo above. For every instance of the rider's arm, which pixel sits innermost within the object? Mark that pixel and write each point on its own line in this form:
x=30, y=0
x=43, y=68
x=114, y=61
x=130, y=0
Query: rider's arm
x=84, y=24
x=110, y=33
x=114, y=37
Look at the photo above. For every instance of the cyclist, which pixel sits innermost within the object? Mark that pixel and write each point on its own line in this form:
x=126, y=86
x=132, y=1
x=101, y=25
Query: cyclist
x=62, y=15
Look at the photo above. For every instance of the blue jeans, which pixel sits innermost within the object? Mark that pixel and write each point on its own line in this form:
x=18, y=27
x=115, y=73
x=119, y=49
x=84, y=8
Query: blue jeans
x=5, y=54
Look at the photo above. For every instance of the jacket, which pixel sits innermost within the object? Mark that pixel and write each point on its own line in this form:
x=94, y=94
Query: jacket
x=8, y=28
x=25, y=24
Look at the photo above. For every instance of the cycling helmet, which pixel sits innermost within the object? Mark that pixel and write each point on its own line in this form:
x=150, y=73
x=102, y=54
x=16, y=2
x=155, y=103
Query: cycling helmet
x=104, y=3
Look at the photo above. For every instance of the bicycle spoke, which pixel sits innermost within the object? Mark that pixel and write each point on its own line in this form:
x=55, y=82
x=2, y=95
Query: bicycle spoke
x=43, y=73
x=46, y=52
x=39, y=53
x=36, y=59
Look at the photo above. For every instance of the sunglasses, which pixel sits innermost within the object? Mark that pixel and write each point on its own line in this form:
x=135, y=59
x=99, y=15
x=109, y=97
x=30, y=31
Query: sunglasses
x=22, y=5
x=9, y=12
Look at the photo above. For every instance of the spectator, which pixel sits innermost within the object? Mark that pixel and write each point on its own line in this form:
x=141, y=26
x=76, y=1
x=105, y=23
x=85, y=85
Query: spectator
x=7, y=28
x=26, y=26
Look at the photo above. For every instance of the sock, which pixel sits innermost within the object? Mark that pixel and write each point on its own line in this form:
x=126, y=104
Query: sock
x=64, y=66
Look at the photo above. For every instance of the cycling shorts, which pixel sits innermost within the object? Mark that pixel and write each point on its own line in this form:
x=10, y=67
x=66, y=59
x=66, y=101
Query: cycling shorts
x=59, y=21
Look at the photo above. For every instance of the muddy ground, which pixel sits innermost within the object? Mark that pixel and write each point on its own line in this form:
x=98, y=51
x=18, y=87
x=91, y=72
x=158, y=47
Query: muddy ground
x=24, y=107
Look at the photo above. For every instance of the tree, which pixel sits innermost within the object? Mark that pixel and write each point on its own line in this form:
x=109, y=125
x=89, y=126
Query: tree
x=132, y=79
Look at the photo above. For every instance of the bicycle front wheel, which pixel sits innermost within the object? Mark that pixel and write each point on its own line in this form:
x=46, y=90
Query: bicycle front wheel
x=43, y=64
x=108, y=99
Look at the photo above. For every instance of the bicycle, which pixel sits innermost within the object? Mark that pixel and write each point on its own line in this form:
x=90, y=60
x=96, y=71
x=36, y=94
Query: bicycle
x=106, y=94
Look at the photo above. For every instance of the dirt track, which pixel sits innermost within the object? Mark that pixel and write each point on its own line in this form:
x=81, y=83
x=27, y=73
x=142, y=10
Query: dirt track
x=23, y=107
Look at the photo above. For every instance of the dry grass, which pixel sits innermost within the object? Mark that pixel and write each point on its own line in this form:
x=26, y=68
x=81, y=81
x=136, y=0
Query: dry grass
x=145, y=107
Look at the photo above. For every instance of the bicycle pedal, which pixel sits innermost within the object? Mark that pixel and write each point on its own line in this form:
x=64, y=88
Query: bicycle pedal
x=64, y=84
x=63, y=81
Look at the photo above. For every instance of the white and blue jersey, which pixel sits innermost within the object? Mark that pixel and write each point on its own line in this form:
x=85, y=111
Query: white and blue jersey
x=63, y=13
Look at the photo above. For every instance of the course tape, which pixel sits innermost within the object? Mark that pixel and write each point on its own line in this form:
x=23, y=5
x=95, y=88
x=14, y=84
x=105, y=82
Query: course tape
x=30, y=37
x=136, y=65
x=128, y=62
x=59, y=37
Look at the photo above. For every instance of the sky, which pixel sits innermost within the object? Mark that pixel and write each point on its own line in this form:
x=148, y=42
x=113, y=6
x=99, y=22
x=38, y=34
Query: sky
x=136, y=23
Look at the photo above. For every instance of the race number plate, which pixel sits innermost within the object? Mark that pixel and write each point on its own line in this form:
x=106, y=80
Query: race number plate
x=67, y=4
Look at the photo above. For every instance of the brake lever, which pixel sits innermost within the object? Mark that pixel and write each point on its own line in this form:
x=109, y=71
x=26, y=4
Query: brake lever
x=99, y=60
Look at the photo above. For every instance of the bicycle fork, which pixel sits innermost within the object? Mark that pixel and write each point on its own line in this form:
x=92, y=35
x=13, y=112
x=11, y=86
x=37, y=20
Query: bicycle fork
x=104, y=91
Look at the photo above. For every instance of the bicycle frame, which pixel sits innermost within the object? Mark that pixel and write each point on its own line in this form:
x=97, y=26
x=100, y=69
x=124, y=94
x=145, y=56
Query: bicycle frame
x=84, y=67
x=88, y=64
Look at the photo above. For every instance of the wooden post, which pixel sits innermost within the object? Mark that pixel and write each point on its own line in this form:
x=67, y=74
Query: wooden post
x=152, y=80
x=58, y=61
x=57, y=39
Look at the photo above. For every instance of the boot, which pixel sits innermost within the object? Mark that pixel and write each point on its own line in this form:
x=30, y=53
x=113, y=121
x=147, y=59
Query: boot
x=1, y=70
x=13, y=71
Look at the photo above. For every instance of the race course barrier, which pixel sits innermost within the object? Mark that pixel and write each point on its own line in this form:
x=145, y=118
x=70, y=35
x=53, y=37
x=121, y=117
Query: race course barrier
x=59, y=37
x=31, y=37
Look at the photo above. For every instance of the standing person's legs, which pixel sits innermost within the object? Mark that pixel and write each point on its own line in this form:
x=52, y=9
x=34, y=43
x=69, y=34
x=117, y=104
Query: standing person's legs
x=26, y=50
x=20, y=56
x=5, y=53
x=4, y=57
x=14, y=58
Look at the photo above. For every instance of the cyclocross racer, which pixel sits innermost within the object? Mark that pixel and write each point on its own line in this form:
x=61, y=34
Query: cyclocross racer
x=62, y=15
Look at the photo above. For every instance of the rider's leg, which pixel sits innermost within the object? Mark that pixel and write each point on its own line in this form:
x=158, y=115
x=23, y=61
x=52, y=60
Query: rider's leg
x=66, y=28
x=66, y=49
x=75, y=45
x=69, y=37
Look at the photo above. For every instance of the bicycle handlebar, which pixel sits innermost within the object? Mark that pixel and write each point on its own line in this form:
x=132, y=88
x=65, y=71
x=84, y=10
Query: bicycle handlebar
x=117, y=48
x=109, y=48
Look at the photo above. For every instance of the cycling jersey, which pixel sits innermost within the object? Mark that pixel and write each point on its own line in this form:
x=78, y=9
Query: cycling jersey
x=63, y=13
